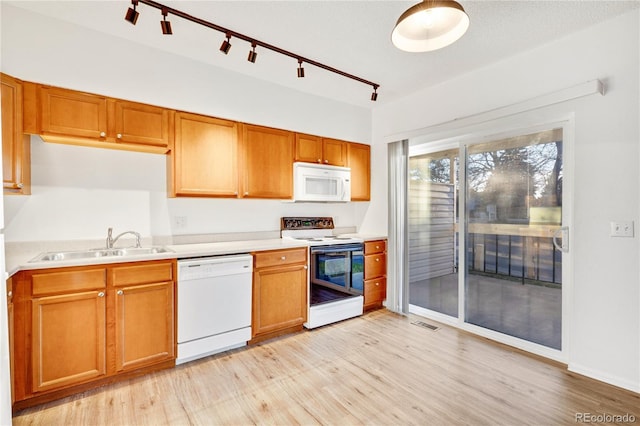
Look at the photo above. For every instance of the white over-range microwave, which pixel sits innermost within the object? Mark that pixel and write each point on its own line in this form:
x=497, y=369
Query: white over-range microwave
x=321, y=183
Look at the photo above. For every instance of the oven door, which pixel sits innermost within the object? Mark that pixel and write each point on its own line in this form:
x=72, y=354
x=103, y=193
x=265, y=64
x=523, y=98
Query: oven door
x=339, y=267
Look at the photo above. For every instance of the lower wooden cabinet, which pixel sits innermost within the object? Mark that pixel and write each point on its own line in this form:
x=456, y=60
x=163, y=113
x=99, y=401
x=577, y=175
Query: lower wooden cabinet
x=68, y=340
x=375, y=272
x=78, y=327
x=279, y=292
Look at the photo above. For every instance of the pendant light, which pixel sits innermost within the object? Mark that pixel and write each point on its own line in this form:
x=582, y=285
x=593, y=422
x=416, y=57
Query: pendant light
x=430, y=25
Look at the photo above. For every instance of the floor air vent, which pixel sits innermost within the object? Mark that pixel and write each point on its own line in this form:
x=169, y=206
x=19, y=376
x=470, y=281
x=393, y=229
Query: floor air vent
x=425, y=325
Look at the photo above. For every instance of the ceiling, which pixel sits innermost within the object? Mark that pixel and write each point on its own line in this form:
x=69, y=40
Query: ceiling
x=352, y=36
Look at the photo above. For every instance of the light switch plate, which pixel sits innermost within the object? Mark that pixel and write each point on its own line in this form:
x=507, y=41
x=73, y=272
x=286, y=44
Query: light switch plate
x=622, y=229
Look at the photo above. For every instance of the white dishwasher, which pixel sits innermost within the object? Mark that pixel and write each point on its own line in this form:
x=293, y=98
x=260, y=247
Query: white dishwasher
x=214, y=305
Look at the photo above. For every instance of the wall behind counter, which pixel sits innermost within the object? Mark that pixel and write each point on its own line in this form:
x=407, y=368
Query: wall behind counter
x=77, y=192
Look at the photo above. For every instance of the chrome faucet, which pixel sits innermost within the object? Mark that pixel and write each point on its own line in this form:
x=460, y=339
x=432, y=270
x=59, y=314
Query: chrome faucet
x=111, y=241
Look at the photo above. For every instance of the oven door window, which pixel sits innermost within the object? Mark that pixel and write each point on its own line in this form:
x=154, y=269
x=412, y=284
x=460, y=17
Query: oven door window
x=333, y=268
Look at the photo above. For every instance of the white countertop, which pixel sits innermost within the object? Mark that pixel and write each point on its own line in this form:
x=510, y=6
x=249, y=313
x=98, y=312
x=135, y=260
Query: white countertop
x=20, y=262
x=16, y=263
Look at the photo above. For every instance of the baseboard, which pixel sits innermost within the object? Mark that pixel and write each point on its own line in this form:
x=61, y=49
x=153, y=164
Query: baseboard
x=604, y=377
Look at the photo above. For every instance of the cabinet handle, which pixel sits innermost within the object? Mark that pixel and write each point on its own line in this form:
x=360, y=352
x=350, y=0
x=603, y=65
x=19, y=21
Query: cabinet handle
x=119, y=135
x=319, y=160
x=326, y=161
x=101, y=294
x=377, y=259
x=20, y=185
x=305, y=267
x=10, y=293
x=377, y=284
x=103, y=134
x=120, y=292
x=246, y=193
x=283, y=258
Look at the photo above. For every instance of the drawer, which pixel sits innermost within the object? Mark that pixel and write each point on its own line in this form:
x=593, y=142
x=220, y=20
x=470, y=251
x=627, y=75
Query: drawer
x=375, y=265
x=375, y=290
x=68, y=281
x=264, y=259
x=378, y=246
x=141, y=274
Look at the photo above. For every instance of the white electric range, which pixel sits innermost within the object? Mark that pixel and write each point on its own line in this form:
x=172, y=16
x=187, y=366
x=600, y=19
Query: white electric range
x=336, y=275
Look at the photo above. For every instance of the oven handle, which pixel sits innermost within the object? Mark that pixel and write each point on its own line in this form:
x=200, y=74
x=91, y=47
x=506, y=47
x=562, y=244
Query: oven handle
x=340, y=249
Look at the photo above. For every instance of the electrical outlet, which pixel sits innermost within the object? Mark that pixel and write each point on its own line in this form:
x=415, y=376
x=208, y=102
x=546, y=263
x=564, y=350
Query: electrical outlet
x=180, y=222
x=622, y=229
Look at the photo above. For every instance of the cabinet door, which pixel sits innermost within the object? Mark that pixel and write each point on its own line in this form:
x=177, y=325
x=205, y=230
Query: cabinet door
x=267, y=162
x=141, y=124
x=144, y=325
x=68, y=339
x=16, y=148
x=279, y=298
x=11, y=336
x=308, y=148
x=359, y=160
x=334, y=152
x=73, y=114
x=205, y=157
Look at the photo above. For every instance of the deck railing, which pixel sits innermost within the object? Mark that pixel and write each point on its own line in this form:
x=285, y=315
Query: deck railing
x=524, y=252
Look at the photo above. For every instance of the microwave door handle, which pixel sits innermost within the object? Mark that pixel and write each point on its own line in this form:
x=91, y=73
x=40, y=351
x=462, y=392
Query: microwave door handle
x=344, y=188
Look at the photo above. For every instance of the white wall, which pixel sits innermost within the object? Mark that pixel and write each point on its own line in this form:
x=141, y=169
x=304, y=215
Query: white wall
x=604, y=323
x=79, y=192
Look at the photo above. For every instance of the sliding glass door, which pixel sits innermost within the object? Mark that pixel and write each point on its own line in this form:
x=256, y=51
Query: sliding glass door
x=510, y=278
x=432, y=219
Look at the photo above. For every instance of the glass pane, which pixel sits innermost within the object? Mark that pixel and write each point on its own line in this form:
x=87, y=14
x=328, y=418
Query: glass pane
x=514, y=205
x=433, y=263
x=332, y=268
x=321, y=186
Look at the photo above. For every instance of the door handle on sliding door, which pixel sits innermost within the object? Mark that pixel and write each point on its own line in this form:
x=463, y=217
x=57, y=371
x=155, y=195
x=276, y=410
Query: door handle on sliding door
x=562, y=232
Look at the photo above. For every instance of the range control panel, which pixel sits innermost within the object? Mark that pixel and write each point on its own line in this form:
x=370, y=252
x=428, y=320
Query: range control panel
x=303, y=223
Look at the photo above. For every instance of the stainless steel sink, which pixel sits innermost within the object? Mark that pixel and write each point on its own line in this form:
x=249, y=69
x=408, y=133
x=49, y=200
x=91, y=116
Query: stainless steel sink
x=97, y=253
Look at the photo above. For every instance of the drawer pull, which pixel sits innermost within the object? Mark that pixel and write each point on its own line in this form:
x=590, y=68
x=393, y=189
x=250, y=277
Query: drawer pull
x=283, y=258
x=377, y=284
x=377, y=259
x=101, y=294
x=377, y=247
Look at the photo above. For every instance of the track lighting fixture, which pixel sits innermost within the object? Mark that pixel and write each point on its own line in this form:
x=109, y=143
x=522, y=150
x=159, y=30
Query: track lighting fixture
x=166, y=25
x=132, y=14
x=252, y=53
x=132, y=17
x=226, y=45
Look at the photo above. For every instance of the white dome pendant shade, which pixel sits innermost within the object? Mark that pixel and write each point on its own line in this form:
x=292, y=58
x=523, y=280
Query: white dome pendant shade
x=430, y=25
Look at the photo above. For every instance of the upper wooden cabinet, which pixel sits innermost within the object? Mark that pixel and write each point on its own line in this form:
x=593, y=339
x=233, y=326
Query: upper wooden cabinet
x=16, y=147
x=69, y=116
x=137, y=123
x=204, y=161
x=359, y=160
x=314, y=149
x=267, y=162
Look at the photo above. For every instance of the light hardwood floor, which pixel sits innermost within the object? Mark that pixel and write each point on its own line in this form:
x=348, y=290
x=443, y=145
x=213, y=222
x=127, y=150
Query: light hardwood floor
x=376, y=369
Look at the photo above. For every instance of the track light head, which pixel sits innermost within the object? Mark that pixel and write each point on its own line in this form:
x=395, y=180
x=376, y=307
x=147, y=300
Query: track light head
x=374, y=95
x=252, y=53
x=300, y=69
x=226, y=45
x=166, y=25
x=132, y=14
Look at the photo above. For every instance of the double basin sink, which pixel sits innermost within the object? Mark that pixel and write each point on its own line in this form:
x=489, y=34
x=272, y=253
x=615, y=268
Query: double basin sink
x=98, y=253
